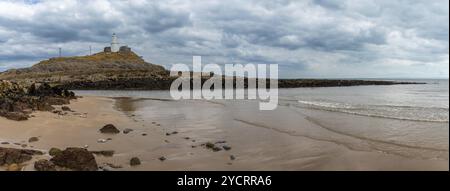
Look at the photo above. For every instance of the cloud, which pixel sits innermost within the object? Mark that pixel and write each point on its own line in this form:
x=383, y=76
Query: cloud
x=309, y=38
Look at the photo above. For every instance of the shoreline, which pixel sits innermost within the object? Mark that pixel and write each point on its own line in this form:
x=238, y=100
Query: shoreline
x=154, y=137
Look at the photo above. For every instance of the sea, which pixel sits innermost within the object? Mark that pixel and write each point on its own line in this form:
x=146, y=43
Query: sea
x=407, y=120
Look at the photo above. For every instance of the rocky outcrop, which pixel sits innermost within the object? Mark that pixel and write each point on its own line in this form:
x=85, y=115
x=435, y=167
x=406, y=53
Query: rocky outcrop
x=125, y=70
x=10, y=156
x=18, y=100
x=76, y=159
x=102, y=66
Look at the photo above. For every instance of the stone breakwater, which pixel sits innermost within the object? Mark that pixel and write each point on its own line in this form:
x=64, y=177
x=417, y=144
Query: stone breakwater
x=164, y=83
x=18, y=101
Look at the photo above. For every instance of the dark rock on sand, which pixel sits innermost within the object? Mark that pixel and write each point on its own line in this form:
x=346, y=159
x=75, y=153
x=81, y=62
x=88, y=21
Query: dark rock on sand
x=126, y=131
x=33, y=139
x=16, y=156
x=216, y=149
x=162, y=159
x=110, y=129
x=232, y=157
x=44, y=165
x=209, y=145
x=54, y=151
x=135, y=161
x=76, y=159
x=226, y=147
x=5, y=143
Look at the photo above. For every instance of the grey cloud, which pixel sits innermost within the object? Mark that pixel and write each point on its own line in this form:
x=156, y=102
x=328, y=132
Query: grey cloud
x=297, y=35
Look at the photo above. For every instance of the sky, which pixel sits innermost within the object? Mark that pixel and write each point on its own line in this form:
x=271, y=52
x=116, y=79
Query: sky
x=306, y=38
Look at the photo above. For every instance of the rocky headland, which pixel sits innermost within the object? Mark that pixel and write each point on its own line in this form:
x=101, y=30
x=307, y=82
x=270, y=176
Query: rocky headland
x=125, y=70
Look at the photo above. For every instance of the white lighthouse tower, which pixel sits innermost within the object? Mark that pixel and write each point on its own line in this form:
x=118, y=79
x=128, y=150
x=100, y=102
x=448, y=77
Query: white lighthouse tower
x=114, y=43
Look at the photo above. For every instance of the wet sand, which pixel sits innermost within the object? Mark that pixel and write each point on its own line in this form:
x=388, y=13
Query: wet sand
x=257, y=141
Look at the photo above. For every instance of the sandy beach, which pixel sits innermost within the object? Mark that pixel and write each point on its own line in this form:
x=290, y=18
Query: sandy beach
x=167, y=131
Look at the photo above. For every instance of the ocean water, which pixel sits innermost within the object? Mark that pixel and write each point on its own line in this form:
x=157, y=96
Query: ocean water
x=424, y=102
x=428, y=102
x=406, y=120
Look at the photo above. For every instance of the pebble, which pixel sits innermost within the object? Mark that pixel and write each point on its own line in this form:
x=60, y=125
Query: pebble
x=33, y=139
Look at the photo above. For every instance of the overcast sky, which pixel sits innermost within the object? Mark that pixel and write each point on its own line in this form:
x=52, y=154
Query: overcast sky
x=310, y=38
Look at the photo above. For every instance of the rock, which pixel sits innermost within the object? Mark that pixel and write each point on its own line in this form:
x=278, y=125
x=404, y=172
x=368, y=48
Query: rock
x=144, y=134
x=232, y=157
x=44, y=165
x=107, y=153
x=162, y=159
x=126, y=131
x=33, y=139
x=54, y=151
x=66, y=108
x=10, y=156
x=175, y=132
x=135, y=161
x=17, y=101
x=221, y=142
x=216, y=149
x=13, y=167
x=16, y=116
x=226, y=147
x=76, y=159
x=101, y=141
x=5, y=143
x=209, y=145
x=110, y=129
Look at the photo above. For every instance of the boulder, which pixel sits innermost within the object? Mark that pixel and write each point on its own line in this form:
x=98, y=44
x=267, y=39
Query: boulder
x=76, y=159
x=44, y=165
x=109, y=129
x=135, y=161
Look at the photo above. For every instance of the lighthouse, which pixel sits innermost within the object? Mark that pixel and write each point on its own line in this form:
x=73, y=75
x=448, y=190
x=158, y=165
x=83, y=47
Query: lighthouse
x=114, y=43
